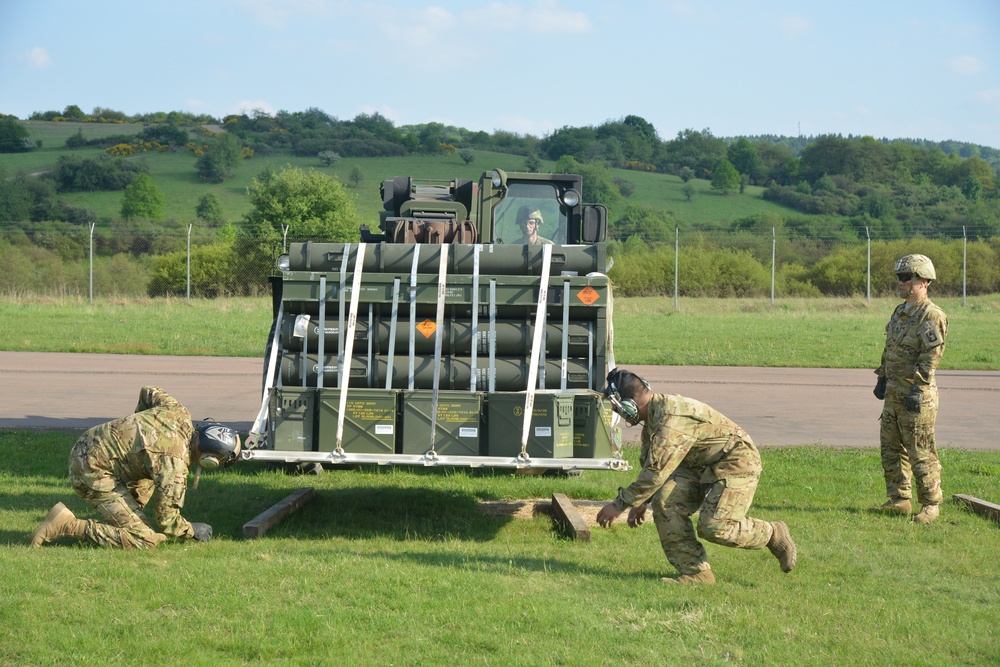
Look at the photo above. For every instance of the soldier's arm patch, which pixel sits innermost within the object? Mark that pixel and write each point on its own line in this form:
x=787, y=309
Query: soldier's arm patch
x=929, y=335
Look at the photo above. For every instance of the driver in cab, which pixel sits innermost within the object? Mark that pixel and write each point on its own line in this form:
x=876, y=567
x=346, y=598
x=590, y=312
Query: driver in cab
x=529, y=221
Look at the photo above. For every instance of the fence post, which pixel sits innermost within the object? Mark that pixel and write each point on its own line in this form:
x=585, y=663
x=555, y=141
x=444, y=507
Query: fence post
x=774, y=241
x=965, y=242
x=868, y=288
x=284, y=238
x=187, y=299
x=91, y=289
x=677, y=248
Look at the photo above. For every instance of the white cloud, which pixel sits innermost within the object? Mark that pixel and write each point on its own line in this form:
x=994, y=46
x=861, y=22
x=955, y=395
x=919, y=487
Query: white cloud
x=966, y=65
x=991, y=97
x=795, y=26
x=414, y=26
x=275, y=14
x=682, y=8
x=39, y=58
x=543, y=17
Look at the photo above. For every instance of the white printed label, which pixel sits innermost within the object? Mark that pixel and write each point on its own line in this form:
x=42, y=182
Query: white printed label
x=543, y=431
x=383, y=429
x=466, y=432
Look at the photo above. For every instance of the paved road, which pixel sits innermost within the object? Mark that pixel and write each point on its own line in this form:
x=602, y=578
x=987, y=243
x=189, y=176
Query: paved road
x=777, y=406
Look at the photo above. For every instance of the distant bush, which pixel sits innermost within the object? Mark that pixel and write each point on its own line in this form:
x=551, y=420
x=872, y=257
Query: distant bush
x=166, y=134
x=212, y=273
x=14, y=136
x=76, y=174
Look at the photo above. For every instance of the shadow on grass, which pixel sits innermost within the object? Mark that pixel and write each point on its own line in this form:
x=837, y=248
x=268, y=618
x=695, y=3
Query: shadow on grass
x=363, y=512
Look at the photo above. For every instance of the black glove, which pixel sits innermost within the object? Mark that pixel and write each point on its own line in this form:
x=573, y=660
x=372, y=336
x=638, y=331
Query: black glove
x=913, y=399
x=880, y=389
x=202, y=532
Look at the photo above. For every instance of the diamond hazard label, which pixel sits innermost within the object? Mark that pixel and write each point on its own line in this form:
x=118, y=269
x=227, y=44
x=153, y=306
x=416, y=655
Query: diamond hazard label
x=427, y=328
x=588, y=295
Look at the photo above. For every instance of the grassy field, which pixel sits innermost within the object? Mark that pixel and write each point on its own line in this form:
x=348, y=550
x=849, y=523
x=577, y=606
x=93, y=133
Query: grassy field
x=807, y=333
x=400, y=567
x=174, y=173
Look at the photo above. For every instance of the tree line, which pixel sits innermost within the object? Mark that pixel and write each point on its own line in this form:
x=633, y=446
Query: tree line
x=841, y=189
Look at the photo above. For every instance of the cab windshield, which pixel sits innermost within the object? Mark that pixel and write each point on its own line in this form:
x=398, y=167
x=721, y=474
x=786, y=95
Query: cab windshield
x=538, y=198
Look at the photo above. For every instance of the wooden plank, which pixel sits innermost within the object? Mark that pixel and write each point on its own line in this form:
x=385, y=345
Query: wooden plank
x=570, y=520
x=266, y=520
x=982, y=507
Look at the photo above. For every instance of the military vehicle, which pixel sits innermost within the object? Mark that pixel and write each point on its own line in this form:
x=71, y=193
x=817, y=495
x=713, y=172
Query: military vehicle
x=446, y=337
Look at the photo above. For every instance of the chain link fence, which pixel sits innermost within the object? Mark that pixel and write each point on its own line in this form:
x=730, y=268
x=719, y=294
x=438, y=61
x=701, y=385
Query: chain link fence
x=111, y=262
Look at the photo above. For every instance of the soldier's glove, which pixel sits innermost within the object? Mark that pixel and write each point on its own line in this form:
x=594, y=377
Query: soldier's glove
x=202, y=532
x=879, y=390
x=913, y=399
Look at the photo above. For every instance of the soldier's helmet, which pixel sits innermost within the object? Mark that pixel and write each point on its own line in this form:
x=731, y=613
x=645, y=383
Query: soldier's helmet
x=526, y=213
x=218, y=445
x=919, y=265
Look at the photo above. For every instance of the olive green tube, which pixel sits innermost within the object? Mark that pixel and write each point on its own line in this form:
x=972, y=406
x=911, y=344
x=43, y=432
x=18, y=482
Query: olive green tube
x=512, y=338
x=456, y=372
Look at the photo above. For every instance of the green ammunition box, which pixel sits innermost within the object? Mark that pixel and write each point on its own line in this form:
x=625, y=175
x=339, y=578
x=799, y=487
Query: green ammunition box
x=457, y=430
x=550, y=434
x=292, y=419
x=369, y=421
x=591, y=425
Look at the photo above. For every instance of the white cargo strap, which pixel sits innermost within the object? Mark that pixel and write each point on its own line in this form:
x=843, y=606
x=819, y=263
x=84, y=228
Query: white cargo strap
x=340, y=318
x=615, y=417
x=391, y=359
x=565, y=336
x=352, y=323
x=543, y=296
x=321, y=331
x=492, y=384
x=474, y=331
x=413, y=312
x=257, y=430
x=439, y=330
x=611, y=332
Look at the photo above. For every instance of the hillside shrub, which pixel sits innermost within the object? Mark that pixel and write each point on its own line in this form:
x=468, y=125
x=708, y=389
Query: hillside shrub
x=212, y=273
x=78, y=174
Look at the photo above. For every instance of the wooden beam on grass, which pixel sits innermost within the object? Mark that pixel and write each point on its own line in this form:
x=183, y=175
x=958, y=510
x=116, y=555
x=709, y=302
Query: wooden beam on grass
x=982, y=507
x=266, y=520
x=567, y=517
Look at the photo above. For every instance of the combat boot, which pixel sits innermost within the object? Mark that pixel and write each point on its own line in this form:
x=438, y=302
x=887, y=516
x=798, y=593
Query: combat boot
x=60, y=522
x=902, y=507
x=703, y=577
x=927, y=514
x=781, y=546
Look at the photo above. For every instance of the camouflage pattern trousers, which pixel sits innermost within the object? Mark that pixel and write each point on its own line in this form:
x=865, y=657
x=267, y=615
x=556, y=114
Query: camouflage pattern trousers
x=722, y=506
x=127, y=526
x=909, y=451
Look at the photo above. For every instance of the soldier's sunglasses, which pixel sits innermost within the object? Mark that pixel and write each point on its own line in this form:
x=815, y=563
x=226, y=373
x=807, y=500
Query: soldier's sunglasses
x=904, y=277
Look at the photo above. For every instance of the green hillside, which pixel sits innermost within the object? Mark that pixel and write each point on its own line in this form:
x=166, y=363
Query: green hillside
x=175, y=175
x=804, y=234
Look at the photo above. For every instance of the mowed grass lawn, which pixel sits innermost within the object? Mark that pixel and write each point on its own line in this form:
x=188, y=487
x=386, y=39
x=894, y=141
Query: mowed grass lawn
x=400, y=567
x=804, y=333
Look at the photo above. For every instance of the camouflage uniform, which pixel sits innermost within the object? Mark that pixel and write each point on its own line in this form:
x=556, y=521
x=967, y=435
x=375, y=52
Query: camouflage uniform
x=118, y=466
x=694, y=459
x=914, y=343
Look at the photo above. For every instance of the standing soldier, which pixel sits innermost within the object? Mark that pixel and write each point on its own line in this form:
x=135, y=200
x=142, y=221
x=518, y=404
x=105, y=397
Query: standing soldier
x=694, y=459
x=914, y=343
x=119, y=466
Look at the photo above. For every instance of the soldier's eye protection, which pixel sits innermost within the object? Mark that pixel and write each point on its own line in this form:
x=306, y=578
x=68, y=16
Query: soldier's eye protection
x=904, y=277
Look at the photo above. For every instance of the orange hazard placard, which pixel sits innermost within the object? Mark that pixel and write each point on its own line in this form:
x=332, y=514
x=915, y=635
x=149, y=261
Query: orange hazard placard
x=588, y=295
x=427, y=328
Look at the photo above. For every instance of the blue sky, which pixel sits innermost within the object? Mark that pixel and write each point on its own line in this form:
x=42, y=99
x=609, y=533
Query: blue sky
x=888, y=68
